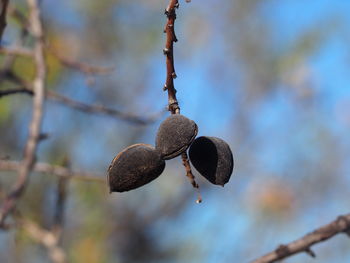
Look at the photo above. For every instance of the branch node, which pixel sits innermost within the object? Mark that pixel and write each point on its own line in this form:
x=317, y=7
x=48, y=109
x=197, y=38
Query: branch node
x=170, y=13
x=43, y=136
x=346, y=221
x=282, y=250
x=174, y=76
x=165, y=87
x=310, y=252
x=173, y=107
x=166, y=51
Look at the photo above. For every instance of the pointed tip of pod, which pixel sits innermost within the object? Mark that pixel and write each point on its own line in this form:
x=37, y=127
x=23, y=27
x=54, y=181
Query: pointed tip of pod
x=134, y=167
x=212, y=158
x=175, y=135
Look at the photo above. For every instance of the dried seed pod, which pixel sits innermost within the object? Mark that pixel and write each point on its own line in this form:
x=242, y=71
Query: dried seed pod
x=212, y=157
x=175, y=135
x=135, y=166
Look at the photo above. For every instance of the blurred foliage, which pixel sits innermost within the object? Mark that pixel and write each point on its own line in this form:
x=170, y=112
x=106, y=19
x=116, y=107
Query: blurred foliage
x=270, y=77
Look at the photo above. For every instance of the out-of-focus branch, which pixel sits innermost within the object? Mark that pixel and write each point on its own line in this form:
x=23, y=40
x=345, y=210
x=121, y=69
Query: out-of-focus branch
x=35, y=125
x=82, y=67
x=99, y=109
x=84, y=107
x=20, y=17
x=46, y=238
x=340, y=225
x=81, y=106
x=6, y=165
x=61, y=197
x=3, y=11
x=65, y=61
x=14, y=91
x=16, y=51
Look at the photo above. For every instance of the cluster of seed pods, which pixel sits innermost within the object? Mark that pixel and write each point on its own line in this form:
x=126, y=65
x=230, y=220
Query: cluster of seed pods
x=140, y=164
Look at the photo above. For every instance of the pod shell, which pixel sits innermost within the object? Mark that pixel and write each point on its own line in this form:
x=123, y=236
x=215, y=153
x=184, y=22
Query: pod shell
x=135, y=166
x=175, y=135
x=212, y=158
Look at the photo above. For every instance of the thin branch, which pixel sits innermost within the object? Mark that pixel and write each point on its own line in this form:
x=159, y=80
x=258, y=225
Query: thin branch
x=190, y=175
x=65, y=61
x=82, y=67
x=99, y=109
x=21, y=18
x=173, y=105
x=46, y=238
x=56, y=170
x=62, y=185
x=3, y=11
x=16, y=51
x=35, y=125
x=340, y=225
x=9, y=59
x=80, y=106
x=4, y=93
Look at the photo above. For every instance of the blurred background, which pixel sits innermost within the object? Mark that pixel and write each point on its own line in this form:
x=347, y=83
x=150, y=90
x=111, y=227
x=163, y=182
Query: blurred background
x=269, y=77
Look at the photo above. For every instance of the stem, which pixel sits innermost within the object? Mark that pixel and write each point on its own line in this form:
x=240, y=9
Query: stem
x=190, y=175
x=173, y=105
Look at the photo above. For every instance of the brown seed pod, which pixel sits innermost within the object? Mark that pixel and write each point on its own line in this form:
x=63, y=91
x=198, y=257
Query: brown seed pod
x=175, y=135
x=135, y=166
x=212, y=157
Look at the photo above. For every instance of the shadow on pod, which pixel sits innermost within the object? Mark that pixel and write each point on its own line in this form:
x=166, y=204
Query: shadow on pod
x=175, y=135
x=212, y=158
x=135, y=166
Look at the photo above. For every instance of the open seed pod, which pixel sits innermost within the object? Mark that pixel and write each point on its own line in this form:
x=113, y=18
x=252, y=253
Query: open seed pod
x=212, y=157
x=175, y=135
x=135, y=166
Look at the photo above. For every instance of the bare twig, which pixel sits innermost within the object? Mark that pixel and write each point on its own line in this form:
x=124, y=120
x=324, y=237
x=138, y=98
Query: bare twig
x=46, y=238
x=3, y=10
x=6, y=165
x=64, y=60
x=35, y=125
x=20, y=17
x=61, y=197
x=173, y=105
x=10, y=57
x=14, y=91
x=99, y=109
x=340, y=225
x=17, y=51
x=81, y=106
x=82, y=67
x=190, y=175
